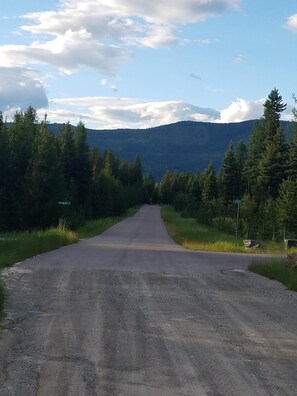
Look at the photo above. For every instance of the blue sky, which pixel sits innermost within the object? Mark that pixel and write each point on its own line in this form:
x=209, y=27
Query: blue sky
x=138, y=64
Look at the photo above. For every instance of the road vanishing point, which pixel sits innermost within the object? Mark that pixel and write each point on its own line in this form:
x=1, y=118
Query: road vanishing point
x=130, y=313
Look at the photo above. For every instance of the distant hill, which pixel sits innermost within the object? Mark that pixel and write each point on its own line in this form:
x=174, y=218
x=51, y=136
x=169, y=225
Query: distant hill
x=183, y=146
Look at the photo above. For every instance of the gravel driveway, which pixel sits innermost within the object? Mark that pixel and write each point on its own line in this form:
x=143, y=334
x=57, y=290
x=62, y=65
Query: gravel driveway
x=131, y=313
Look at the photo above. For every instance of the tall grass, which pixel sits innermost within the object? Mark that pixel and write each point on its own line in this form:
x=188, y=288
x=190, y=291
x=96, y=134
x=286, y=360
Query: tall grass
x=19, y=246
x=188, y=233
x=276, y=269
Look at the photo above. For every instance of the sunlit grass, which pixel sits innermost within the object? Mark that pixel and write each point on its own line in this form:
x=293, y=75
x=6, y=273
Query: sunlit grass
x=18, y=246
x=276, y=269
x=188, y=233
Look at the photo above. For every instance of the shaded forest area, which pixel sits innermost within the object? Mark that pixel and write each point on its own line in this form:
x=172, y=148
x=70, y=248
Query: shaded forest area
x=47, y=179
x=260, y=177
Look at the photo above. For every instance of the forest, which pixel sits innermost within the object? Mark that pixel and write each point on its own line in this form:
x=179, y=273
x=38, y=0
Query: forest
x=260, y=177
x=48, y=180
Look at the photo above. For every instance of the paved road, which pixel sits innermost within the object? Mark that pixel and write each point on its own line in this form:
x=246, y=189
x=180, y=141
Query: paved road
x=131, y=313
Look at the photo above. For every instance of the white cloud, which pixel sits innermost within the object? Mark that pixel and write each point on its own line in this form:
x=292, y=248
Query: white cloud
x=241, y=110
x=111, y=113
x=19, y=88
x=96, y=33
x=292, y=22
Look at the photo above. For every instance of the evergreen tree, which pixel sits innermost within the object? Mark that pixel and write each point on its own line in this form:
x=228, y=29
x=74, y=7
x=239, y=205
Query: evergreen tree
x=44, y=183
x=149, y=187
x=111, y=163
x=230, y=176
x=272, y=166
x=273, y=107
x=82, y=166
x=255, y=151
x=67, y=153
x=209, y=185
x=286, y=207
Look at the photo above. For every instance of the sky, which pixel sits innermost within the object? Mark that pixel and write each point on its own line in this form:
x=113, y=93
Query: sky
x=139, y=63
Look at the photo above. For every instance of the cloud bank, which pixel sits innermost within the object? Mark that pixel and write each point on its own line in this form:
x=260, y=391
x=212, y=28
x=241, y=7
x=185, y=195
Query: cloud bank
x=113, y=113
x=21, y=87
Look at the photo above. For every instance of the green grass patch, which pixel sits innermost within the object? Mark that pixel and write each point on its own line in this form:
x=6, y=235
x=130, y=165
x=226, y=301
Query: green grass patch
x=15, y=247
x=95, y=227
x=276, y=269
x=192, y=235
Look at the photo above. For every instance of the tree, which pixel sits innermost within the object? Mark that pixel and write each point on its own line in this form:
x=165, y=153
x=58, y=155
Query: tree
x=272, y=166
x=273, y=107
x=67, y=153
x=286, y=207
x=43, y=183
x=256, y=148
x=230, y=176
x=209, y=185
x=82, y=165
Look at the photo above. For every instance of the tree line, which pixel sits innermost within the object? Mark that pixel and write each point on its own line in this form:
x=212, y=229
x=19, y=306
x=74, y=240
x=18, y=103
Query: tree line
x=261, y=177
x=46, y=177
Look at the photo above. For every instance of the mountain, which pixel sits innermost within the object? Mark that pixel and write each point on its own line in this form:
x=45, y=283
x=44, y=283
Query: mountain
x=183, y=146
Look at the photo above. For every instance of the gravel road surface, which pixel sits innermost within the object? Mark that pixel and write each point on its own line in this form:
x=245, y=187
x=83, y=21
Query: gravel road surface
x=132, y=313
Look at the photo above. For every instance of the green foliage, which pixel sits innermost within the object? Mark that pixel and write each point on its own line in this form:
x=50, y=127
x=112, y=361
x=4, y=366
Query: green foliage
x=190, y=234
x=230, y=176
x=39, y=170
x=277, y=270
x=18, y=246
x=262, y=176
x=286, y=206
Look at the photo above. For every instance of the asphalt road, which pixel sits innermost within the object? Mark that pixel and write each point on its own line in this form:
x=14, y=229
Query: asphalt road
x=131, y=313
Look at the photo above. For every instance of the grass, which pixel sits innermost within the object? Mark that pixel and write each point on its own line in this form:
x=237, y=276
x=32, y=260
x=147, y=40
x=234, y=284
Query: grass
x=18, y=246
x=276, y=269
x=188, y=233
x=96, y=227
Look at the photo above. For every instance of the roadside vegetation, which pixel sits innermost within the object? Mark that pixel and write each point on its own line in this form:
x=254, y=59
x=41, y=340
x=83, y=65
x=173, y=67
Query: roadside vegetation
x=278, y=270
x=192, y=235
x=252, y=197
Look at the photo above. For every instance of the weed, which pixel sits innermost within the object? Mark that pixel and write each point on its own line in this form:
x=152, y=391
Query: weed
x=276, y=269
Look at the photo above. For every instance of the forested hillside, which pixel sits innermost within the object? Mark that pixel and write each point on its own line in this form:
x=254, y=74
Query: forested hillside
x=47, y=178
x=183, y=146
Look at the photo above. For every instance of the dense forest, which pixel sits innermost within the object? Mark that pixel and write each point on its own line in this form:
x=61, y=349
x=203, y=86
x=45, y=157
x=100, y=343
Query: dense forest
x=46, y=179
x=259, y=178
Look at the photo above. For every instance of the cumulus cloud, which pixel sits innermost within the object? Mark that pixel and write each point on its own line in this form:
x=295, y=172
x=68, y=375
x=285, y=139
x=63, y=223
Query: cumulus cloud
x=292, y=22
x=19, y=88
x=241, y=110
x=111, y=113
x=98, y=33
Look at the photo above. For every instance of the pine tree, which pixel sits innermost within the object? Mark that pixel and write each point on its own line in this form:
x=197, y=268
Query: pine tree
x=273, y=107
x=82, y=166
x=209, y=185
x=272, y=166
x=286, y=206
x=230, y=176
x=44, y=183
x=256, y=148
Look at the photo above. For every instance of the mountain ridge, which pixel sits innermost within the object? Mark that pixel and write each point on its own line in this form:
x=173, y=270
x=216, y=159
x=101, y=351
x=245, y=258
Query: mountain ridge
x=182, y=146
